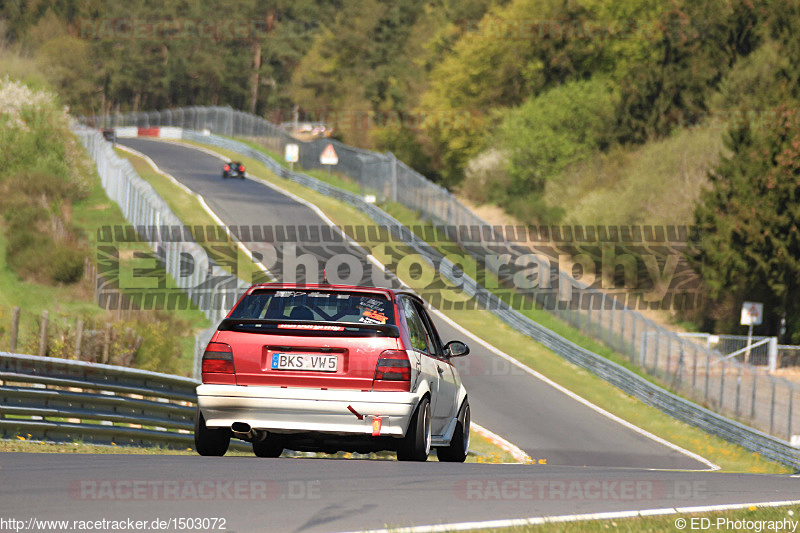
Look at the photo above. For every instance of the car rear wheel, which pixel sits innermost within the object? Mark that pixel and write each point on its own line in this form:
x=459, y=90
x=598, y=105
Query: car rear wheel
x=269, y=447
x=416, y=445
x=458, y=449
x=209, y=442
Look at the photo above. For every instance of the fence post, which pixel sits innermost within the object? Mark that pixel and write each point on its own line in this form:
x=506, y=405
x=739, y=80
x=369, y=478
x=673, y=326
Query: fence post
x=78, y=339
x=622, y=332
x=14, y=329
x=106, y=343
x=589, y=311
x=655, y=354
x=679, y=370
x=600, y=314
x=738, y=389
x=708, y=374
x=753, y=397
x=789, y=421
x=773, y=354
x=772, y=409
x=643, y=354
x=394, y=177
x=721, y=384
x=43, y=335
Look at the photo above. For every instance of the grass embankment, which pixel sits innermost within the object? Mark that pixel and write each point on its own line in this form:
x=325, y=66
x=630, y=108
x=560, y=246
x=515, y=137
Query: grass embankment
x=485, y=325
x=52, y=205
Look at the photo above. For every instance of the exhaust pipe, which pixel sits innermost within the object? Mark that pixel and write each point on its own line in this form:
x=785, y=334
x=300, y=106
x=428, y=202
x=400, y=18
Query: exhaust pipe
x=242, y=430
x=240, y=427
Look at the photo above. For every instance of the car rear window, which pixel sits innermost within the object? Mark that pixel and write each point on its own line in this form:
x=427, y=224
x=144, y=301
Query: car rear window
x=316, y=306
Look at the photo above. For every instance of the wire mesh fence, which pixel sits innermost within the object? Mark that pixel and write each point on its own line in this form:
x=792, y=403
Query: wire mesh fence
x=208, y=286
x=732, y=387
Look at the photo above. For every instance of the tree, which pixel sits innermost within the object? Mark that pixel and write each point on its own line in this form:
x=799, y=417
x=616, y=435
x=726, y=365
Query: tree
x=545, y=134
x=749, y=221
x=697, y=44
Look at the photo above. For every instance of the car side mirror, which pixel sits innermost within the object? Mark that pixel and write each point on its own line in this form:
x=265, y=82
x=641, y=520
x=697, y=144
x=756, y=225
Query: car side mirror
x=455, y=349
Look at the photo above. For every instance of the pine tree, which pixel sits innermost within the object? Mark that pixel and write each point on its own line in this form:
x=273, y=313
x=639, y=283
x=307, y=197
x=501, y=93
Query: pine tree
x=749, y=221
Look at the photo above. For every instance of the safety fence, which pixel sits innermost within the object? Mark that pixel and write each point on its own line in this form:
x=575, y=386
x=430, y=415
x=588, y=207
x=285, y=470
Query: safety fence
x=210, y=287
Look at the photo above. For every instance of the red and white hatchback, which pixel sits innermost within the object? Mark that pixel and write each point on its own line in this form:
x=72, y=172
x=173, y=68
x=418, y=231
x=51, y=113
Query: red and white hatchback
x=332, y=368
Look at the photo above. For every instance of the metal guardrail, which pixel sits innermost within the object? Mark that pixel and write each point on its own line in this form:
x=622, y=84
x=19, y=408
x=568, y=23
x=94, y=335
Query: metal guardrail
x=680, y=408
x=64, y=400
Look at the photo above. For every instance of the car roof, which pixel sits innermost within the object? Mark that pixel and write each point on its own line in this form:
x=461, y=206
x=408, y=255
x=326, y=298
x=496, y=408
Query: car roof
x=390, y=293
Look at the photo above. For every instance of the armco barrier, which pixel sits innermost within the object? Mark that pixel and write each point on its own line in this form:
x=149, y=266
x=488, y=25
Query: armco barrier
x=74, y=401
x=677, y=407
x=64, y=400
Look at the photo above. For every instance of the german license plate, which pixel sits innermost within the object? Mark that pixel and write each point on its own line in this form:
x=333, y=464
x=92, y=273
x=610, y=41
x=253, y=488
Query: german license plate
x=305, y=361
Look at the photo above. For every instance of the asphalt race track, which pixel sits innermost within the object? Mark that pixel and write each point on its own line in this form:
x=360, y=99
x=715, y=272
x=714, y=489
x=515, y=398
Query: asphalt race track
x=329, y=495
x=593, y=463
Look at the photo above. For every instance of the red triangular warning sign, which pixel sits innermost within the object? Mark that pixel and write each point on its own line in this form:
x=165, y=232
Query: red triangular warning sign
x=328, y=156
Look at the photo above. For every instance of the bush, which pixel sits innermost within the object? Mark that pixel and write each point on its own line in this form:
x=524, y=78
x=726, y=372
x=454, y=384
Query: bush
x=39, y=178
x=548, y=133
x=160, y=347
x=66, y=264
x=486, y=177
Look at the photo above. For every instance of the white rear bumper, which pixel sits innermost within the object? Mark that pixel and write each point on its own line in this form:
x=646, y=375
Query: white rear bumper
x=290, y=410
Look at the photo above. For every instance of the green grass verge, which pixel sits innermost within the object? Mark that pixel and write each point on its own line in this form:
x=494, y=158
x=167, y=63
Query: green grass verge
x=728, y=456
x=734, y=520
x=487, y=451
x=97, y=211
x=74, y=301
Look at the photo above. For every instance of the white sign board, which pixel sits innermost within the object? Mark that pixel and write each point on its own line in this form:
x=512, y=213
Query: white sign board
x=292, y=153
x=752, y=314
x=328, y=156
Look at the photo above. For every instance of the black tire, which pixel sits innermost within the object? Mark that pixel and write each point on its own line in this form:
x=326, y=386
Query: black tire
x=269, y=447
x=416, y=445
x=458, y=449
x=210, y=442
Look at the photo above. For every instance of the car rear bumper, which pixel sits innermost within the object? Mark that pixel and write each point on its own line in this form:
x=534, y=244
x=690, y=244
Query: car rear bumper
x=291, y=410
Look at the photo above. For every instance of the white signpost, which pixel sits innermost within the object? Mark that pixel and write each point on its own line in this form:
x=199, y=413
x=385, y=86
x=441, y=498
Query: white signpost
x=292, y=155
x=752, y=315
x=329, y=158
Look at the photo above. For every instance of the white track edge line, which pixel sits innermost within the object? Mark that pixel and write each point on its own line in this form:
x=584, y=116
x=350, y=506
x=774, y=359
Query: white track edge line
x=711, y=466
x=514, y=450
x=539, y=520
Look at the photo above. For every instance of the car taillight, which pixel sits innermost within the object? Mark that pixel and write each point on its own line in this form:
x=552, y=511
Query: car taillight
x=393, y=365
x=241, y=168
x=218, y=359
x=227, y=168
